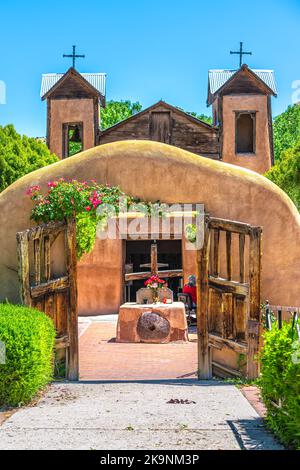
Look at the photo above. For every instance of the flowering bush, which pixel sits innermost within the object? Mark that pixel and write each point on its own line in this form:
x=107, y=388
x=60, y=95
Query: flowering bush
x=74, y=199
x=65, y=199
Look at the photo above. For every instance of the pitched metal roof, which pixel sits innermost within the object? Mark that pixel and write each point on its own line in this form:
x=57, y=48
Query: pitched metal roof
x=97, y=80
x=217, y=78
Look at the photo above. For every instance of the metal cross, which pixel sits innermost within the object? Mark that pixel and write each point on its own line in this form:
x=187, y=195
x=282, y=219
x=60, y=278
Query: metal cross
x=241, y=53
x=74, y=56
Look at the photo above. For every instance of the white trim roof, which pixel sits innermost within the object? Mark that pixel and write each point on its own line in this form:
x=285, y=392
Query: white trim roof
x=217, y=78
x=97, y=80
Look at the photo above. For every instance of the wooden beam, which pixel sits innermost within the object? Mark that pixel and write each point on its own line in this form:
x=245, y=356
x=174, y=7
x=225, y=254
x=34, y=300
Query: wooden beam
x=47, y=260
x=228, y=256
x=224, y=371
x=37, y=260
x=23, y=264
x=144, y=275
x=50, y=287
x=242, y=256
x=215, y=267
x=154, y=267
x=254, y=321
x=45, y=229
x=232, y=287
x=71, y=263
x=218, y=342
x=230, y=225
x=204, y=351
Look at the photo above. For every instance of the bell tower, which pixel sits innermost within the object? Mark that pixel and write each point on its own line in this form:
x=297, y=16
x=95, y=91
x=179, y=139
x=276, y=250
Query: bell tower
x=241, y=102
x=73, y=109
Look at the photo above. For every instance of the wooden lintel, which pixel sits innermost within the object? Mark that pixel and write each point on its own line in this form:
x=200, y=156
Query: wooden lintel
x=49, y=287
x=229, y=286
x=217, y=342
x=145, y=275
x=229, y=225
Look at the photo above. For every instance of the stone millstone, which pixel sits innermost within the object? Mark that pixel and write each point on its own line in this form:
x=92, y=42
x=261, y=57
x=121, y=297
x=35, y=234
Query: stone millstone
x=152, y=325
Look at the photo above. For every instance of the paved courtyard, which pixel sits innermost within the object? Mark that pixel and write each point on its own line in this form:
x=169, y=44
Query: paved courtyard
x=138, y=415
x=136, y=396
x=101, y=358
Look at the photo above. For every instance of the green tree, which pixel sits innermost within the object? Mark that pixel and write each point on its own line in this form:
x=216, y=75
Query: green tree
x=201, y=117
x=286, y=173
x=20, y=155
x=116, y=111
x=286, y=128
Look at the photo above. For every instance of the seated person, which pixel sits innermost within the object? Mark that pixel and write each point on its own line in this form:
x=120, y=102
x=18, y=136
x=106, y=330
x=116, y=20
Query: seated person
x=190, y=288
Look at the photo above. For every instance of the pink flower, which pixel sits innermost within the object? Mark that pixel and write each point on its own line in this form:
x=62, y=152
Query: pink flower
x=33, y=189
x=52, y=184
x=88, y=208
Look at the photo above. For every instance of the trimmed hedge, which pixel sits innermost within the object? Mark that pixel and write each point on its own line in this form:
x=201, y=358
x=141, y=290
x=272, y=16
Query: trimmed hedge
x=29, y=336
x=280, y=383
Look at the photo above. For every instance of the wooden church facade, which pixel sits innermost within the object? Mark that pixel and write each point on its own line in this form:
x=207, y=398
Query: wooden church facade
x=241, y=133
x=165, y=123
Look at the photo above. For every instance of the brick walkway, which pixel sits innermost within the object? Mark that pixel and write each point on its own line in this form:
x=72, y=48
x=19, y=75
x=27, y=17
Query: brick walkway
x=101, y=358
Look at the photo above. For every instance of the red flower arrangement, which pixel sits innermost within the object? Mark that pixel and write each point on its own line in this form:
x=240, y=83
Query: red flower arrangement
x=155, y=283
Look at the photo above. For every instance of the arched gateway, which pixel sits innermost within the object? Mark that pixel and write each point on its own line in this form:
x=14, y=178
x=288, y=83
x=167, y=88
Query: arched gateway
x=154, y=171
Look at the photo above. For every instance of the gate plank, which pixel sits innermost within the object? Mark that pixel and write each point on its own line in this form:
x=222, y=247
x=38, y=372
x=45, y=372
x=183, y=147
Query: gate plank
x=71, y=262
x=23, y=263
x=254, y=314
x=204, y=351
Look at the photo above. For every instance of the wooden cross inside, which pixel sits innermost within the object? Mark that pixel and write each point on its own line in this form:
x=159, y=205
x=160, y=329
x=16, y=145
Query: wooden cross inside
x=74, y=56
x=154, y=265
x=241, y=53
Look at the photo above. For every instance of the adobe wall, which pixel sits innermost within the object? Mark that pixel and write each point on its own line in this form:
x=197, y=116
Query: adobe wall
x=70, y=111
x=152, y=170
x=261, y=161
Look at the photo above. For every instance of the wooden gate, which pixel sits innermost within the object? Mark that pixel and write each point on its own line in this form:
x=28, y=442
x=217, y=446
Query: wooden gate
x=229, y=270
x=51, y=289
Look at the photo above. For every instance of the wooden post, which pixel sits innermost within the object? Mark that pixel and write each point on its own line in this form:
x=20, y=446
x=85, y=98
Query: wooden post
x=228, y=256
x=23, y=263
x=216, y=262
x=72, y=356
x=204, y=358
x=154, y=267
x=242, y=256
x=254, y=321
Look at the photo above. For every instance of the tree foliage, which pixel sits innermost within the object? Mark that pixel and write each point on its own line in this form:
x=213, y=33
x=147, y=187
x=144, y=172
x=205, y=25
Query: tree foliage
x=280, y=383
x=201, y=117
x=286, y=128
x=286, y=173
x=20, y=155
x=116, y=111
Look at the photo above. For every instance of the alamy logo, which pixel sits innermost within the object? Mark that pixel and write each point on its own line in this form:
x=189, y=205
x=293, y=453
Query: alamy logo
x=2, y=353
x=2, y=92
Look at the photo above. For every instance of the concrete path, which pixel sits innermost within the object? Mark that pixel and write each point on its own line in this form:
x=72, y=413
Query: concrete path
x=137, y=415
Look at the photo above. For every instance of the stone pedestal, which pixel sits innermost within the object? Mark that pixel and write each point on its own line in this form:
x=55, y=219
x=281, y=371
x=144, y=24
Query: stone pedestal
x=154, y=323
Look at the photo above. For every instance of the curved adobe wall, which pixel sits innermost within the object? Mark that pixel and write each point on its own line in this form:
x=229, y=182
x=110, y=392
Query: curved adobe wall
x=151, y=170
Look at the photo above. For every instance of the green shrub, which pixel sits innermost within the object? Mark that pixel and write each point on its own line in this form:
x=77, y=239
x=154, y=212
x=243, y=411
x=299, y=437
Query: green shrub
x=280, y=383
x=28, y=335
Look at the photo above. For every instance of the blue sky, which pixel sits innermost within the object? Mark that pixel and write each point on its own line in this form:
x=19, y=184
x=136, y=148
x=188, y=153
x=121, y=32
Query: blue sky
x=149, y=49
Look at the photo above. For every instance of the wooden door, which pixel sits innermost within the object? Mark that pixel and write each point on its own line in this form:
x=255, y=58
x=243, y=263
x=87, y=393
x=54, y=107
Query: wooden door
x=160, y=126
x=42, y=288
x=229, y=292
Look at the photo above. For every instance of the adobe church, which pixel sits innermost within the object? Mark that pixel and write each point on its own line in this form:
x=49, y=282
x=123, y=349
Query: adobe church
x=241, y=132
